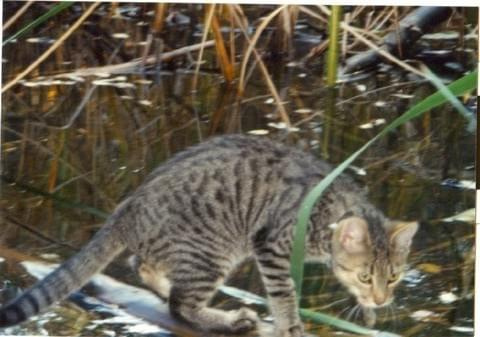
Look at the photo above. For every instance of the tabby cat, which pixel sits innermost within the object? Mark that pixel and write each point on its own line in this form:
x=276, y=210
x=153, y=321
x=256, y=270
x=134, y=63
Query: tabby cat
x=209, y=208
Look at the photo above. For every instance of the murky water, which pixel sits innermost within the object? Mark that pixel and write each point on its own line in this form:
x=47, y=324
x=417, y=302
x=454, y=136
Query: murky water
x=89, y=160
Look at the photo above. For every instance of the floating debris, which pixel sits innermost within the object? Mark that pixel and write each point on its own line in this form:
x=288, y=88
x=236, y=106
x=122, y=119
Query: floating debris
x=143, y=81
x=293, y=64
x=40, y=40
x=466, y=329
x=120, y=36
x=439, y=52
x=380, y=104
x=145, y=102
x=455, y=66
x=46, y=83
x=303, y=111
x=464, y=184
x=102, y=75
x=127, y=97
x=258, y=132
x=373, y=123
x=269, y=101
x=403, y=96
x=302, y=75
x=50, y=256
x=413, y=277
x=361, y=87
x=2, y=259
x=133, y=324
x=422, y=315
x=71, y=77
x=145, y=328
x=283, y=126
x=448, y=35
x=177, y=18
x=117, y=82
x=358, y=170
x=447, y=297
x=465, y=216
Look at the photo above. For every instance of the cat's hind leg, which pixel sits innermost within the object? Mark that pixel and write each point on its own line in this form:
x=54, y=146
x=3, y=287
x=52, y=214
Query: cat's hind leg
x=153, y=277
x=191, y=292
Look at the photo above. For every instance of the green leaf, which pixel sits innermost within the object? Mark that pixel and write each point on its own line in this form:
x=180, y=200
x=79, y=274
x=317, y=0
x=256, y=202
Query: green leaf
x=53, y=11
x=459, y=87
x=472, y=123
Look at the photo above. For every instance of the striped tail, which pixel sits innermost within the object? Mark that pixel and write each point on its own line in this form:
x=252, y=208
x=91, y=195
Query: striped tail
x=70, y=276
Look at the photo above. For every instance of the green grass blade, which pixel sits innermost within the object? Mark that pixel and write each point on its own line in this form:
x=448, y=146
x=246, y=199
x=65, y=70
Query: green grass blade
x=459, y=87
x=53, y=11
x=472, y=123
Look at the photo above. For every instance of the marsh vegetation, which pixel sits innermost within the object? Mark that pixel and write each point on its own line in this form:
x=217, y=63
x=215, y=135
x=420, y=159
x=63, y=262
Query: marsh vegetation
x=133, y=84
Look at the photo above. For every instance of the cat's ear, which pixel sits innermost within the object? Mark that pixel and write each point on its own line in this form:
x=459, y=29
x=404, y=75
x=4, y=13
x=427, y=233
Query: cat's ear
x=401, y=235
x=353, y=235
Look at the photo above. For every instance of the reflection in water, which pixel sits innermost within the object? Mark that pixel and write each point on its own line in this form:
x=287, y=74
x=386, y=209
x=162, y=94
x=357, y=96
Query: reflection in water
x=91, y=140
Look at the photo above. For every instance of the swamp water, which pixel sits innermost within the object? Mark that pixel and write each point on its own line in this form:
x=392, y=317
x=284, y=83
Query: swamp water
x=128, y=125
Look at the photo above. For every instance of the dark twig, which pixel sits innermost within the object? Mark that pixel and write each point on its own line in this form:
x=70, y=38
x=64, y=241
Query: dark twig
x=410, y=29
x=37, y=233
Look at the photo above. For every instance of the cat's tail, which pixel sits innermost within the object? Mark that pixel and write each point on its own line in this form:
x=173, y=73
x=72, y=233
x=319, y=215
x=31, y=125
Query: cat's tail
x=68, y=277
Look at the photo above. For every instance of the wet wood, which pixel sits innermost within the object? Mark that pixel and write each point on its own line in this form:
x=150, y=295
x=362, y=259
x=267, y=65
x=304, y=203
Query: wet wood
x=139, y=302
x=410, y=29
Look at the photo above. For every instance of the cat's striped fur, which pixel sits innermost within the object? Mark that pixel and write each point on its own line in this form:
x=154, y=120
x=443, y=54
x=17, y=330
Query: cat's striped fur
x=207, y=209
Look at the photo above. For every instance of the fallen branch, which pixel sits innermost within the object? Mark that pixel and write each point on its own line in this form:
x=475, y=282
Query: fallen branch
x=136, y=64
x=138, y=302
x=410, y=29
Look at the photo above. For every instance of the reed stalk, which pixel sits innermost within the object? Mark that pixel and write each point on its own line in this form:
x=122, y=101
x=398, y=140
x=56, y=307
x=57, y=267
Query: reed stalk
x=333, y=46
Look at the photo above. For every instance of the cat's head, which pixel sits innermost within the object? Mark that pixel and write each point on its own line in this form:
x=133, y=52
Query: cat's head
x=371, y=263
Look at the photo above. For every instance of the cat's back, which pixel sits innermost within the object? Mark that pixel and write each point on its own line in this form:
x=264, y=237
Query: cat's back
x=219, y=154
x=225, y=187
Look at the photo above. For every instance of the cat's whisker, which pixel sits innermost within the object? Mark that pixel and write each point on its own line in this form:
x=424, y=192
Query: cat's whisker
x=334, y=303
x=346, y=309
x=357, y=311
x=352, y=312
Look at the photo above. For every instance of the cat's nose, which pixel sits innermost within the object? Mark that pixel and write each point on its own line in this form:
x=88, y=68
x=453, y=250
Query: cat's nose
x=379, y=299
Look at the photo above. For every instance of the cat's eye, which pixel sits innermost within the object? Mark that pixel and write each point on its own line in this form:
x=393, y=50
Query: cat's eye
x=393, y=277
x=365, y=277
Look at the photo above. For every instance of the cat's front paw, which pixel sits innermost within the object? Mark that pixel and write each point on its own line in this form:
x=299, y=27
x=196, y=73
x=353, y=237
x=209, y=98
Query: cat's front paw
x=293, y=331
x=245, y=321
